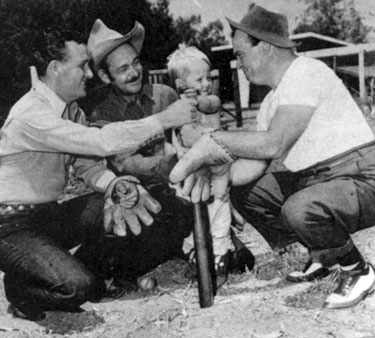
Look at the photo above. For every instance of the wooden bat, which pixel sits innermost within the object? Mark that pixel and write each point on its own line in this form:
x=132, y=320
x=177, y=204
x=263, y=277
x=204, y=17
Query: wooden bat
x=204, y=277
x=205, y=289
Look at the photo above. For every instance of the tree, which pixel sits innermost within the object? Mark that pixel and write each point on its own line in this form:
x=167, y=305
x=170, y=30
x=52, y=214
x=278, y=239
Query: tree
x=23, y=22
x=335, y=18
x=192, y=33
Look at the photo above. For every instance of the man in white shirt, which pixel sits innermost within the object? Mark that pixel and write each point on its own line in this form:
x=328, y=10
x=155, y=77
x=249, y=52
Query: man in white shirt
x=44, y=134
x=310, y=122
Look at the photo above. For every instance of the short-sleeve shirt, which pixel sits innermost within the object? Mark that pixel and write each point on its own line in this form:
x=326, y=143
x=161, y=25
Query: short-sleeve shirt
x=337, y=124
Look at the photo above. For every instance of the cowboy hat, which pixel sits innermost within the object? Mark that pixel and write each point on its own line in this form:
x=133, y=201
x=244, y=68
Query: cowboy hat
x=265, y=25
x=102, y=40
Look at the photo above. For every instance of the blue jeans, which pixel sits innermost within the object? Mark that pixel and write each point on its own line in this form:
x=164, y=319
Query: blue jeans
x=40, y=273
x=320, y=207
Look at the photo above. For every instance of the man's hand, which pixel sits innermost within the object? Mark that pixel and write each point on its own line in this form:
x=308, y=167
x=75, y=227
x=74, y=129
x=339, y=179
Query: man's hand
x=126, y=193
x=123, y=190
x=189, y=134
x=181, y=112
x=196, y=187
x=117, y=217
x=206, y=151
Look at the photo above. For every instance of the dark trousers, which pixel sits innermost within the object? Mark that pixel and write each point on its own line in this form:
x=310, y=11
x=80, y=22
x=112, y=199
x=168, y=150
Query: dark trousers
x=40, y=272
x=133, y=256
x=319, y=207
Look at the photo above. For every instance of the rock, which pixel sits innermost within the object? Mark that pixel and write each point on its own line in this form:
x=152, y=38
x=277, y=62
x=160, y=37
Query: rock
x=147, y=283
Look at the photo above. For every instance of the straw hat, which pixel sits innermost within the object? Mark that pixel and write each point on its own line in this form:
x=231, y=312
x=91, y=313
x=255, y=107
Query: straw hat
x=102, y=40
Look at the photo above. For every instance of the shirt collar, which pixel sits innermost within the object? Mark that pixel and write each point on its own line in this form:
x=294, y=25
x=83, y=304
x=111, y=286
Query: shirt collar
x=57, y=104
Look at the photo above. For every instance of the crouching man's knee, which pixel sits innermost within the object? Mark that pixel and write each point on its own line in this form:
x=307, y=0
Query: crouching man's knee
x=295, y=213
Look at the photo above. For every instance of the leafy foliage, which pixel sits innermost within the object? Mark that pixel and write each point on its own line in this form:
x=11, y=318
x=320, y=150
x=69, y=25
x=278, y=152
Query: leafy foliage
x=336, y=18
x=193, y=34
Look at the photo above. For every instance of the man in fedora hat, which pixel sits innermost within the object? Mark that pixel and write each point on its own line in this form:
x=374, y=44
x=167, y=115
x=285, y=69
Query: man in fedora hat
x=310, y=121
x=116, y=60
x=44, y=135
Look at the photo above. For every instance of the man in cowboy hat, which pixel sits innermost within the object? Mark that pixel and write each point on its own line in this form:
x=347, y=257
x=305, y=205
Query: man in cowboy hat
x=44, y=134
x=310, y=122
x=115, y=59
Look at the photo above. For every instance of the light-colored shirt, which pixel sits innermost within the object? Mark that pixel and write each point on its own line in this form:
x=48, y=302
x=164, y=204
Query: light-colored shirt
x=37, y=146
x=337, y=124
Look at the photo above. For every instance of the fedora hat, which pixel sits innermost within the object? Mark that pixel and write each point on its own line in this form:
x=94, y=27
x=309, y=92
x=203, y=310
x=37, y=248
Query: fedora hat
x=102, y=40
x=265, y=25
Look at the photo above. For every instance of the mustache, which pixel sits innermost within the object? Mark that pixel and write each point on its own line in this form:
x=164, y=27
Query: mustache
x=134, y=78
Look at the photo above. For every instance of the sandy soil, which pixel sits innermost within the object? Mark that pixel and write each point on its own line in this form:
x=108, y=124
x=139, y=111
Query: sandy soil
x=259, y=304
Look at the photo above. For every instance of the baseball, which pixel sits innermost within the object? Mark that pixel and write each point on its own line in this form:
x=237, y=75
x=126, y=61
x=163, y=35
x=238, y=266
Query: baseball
x=147, y=283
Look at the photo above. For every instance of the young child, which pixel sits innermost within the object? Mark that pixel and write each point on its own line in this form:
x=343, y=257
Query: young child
x=189, y=70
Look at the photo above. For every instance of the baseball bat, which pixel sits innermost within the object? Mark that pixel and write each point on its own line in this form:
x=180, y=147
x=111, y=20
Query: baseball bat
x=204, y=277
x=205, y=289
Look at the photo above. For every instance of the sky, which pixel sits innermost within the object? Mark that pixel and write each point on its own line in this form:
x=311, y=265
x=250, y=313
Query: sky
x=211, y=10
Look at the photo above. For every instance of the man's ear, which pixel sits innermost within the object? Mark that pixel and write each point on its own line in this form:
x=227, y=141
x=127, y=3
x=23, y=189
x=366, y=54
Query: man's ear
x=53, y=68
x=266, y=47
x=104, y=76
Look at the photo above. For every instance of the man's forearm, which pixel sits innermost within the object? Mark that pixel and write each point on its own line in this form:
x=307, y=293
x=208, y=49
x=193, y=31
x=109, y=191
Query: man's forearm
x=248, y=144
x=56, y=135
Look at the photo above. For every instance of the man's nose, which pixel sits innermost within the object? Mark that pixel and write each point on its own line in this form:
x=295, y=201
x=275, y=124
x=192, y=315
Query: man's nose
x=206, y=82
x=88, y=72
x=133, y=70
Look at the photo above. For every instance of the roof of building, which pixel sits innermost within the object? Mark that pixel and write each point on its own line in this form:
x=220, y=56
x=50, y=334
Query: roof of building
x=354, y=71
x=307, y=41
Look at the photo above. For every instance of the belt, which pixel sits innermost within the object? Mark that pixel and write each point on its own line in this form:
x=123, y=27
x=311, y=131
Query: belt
x=11, y=209
x=337, y=160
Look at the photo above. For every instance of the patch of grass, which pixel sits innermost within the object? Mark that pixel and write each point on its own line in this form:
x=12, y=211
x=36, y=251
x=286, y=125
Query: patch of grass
x=311, y=298
x=280, y=264
x=65, y=323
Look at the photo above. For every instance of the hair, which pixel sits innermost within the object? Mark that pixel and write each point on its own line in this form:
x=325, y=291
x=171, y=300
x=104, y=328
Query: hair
x=50, y=46
x=104, y=66
x=254, y=41
x=180, y=60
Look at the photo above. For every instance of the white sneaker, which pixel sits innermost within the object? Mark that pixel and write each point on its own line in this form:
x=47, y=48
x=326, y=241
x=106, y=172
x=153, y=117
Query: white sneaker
x=353, y=286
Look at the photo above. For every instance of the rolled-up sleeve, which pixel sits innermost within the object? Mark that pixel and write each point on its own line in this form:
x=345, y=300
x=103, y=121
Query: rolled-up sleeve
x=94, y=172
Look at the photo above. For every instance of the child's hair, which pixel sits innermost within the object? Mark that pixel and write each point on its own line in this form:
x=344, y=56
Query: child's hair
x=180, y=60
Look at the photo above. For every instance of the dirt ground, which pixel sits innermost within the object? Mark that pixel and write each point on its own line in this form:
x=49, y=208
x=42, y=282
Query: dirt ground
x=259, y=304
x=256, y=304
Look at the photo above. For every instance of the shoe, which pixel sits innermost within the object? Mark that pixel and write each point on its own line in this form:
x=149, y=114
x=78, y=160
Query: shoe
x=191, y=271
x=191, y=267
x=221, y=269
x=353, y=286
x=242, y=257
x=115, y=290
x=312, y=271
x=32, y=315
